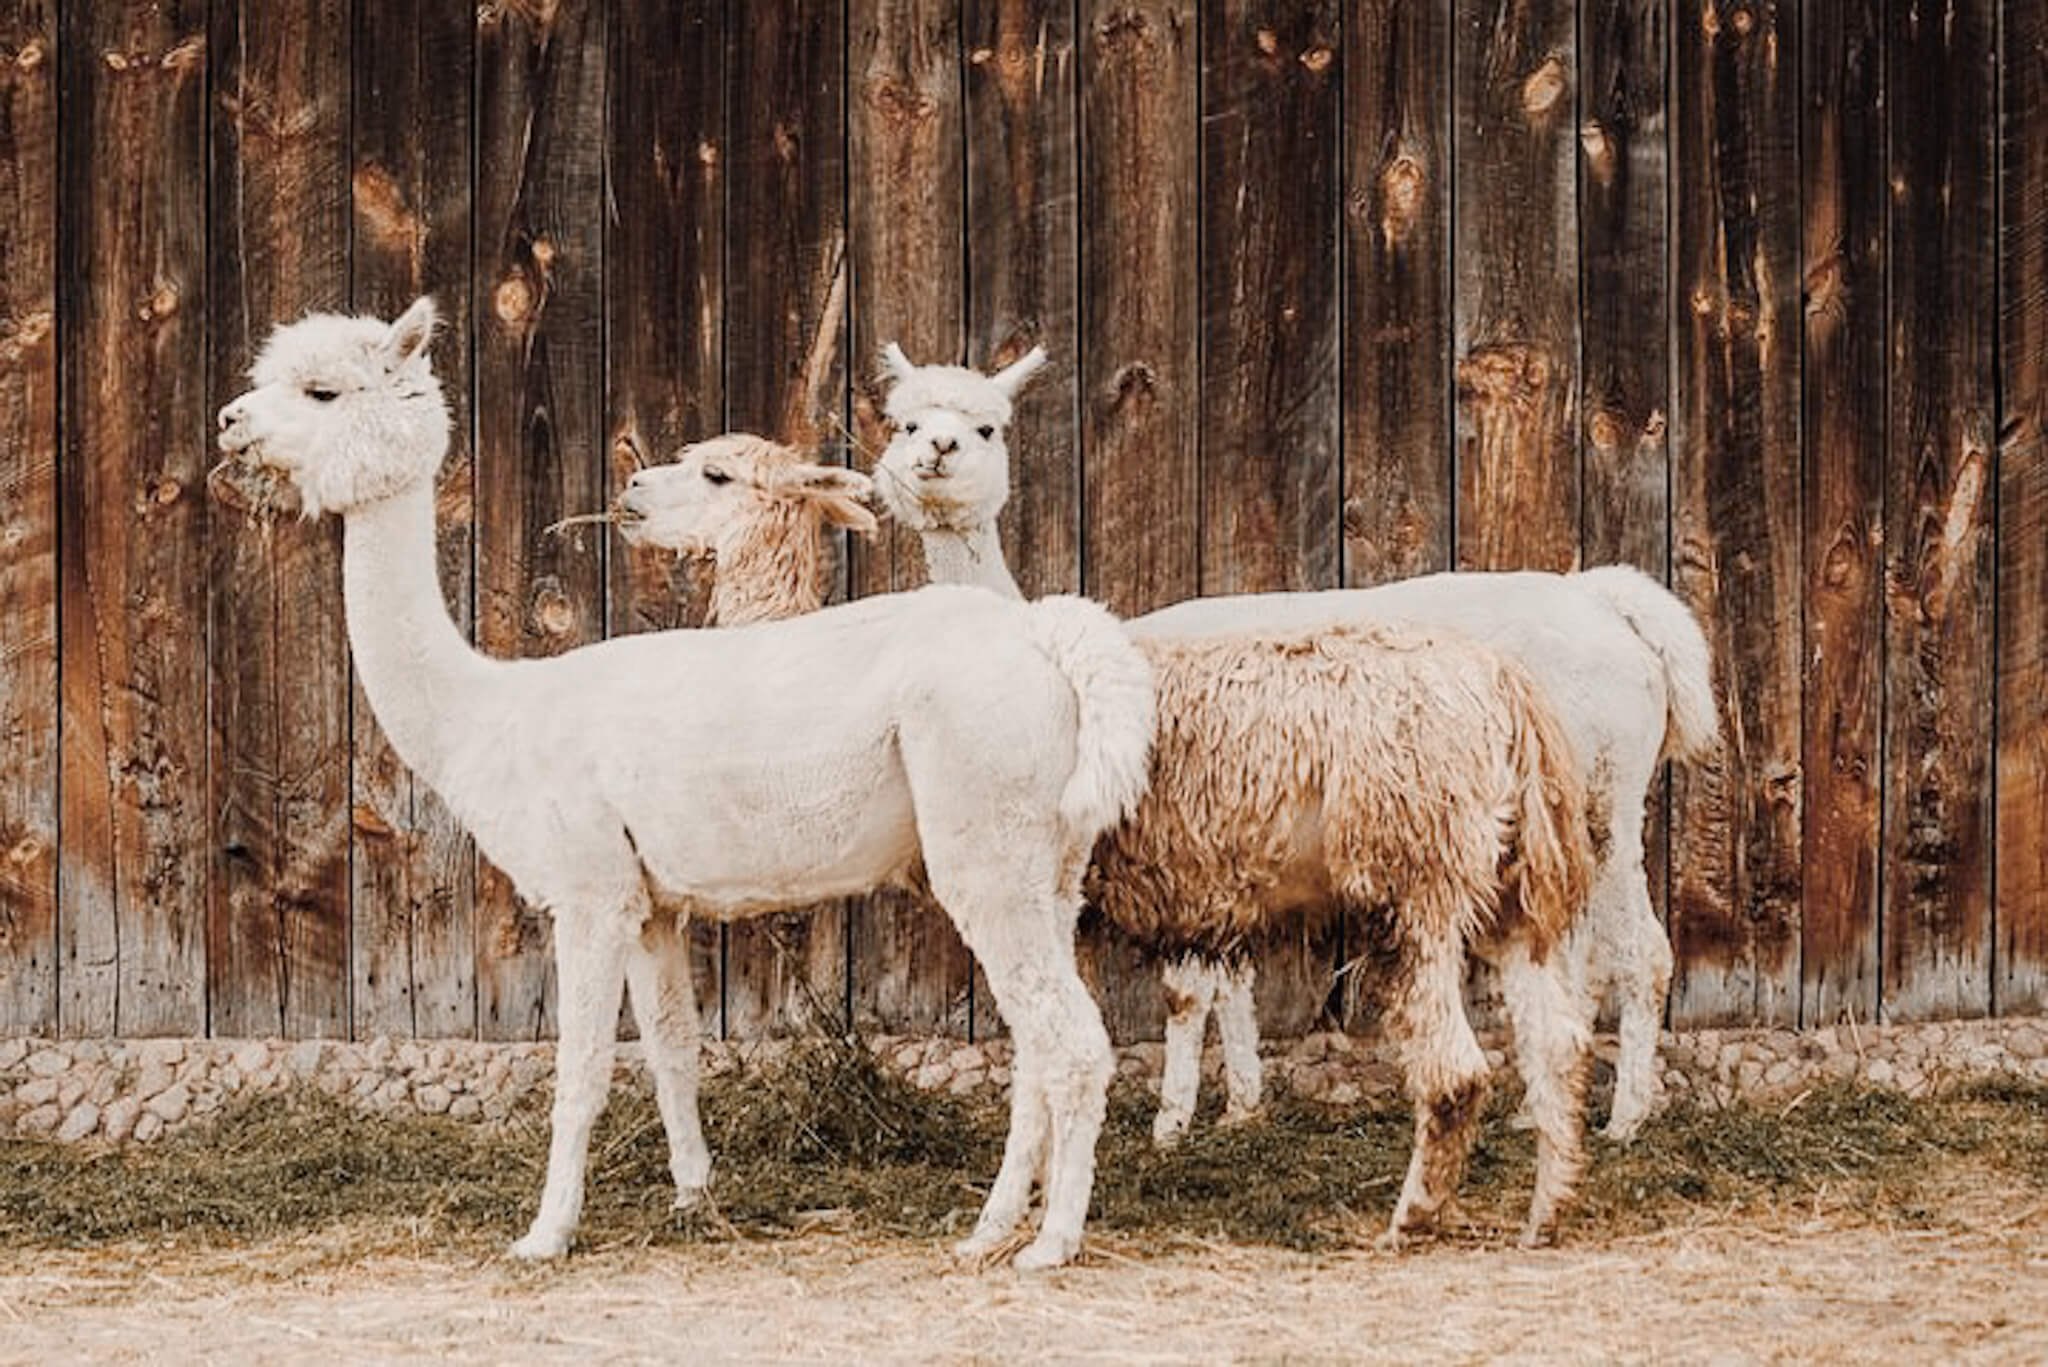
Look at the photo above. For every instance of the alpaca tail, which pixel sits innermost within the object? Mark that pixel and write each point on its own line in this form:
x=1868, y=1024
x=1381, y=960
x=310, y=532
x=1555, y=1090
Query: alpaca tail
x=1692, y=727
x=1553, y=851
x=1112, y=682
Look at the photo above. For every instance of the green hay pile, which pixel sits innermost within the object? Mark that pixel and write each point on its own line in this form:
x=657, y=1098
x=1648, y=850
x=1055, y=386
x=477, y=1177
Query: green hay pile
x=829, y=1139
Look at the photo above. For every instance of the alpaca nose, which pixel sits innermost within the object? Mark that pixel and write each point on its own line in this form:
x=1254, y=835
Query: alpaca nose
x=945, y=446
x=230, y=414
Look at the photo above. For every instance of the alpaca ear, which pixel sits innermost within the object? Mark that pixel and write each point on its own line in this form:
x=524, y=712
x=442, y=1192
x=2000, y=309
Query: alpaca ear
x=841, y=495
x=895, y=364
x=1011, y=377
x=411, y=333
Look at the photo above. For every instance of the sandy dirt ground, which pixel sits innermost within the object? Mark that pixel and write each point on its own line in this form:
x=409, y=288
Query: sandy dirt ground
x=1714, y=1292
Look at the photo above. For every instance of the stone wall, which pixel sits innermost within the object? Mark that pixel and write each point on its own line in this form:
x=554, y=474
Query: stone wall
x=136, y=1090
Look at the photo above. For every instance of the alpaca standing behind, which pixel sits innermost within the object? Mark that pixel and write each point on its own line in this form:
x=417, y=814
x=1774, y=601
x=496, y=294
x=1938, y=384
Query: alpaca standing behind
x=686, y=768
x=1619, y=658
x=754, y=509
x=1418, y=781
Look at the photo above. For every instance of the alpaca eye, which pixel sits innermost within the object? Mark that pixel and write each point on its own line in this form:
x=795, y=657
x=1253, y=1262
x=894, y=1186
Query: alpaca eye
x=909, y=429
x=986, y=432
x=716, y=476
x=319, y=395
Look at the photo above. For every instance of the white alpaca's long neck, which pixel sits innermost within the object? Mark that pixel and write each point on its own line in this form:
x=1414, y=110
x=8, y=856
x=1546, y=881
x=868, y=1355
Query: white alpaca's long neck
x=421, y=676
x=972, y=555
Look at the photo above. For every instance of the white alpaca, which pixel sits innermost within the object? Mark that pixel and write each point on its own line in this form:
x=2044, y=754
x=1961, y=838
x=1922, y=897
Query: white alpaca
x=1620, y=659
x=752, y=508
x=1285, y=785
x=700, y=771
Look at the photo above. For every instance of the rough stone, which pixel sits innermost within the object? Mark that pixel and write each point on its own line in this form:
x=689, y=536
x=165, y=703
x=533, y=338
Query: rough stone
x=119, y=1117
x=433, y=1099
x=166, y=1052
x=252, y=1056
x=12, y=1052
x=171, y=1104
x=466, y=1107
x=41, y=1092
x=82, y=1120
x=40, y=1121
x=148, y=1126
x=48, y=1063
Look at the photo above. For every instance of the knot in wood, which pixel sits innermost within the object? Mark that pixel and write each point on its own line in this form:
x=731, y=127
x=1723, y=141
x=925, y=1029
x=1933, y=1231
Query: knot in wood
x=1318, y=58
x=1605, y=428
x=1506, y=373
x=162, y=303
x=1742, y=21
x=1401, y=186
x=1133, y=382
x=166, y=492
x=707, y=153
x=553, y=614
x=513, y=300
x=1268, y=41
x=899, y=102
x=30, y=57
x=543, y=252
x=1599, y=147
x=25, y=851
x=1543, y=88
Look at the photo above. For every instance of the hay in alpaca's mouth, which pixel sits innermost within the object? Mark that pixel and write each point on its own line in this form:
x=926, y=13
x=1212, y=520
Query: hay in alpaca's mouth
x=264, y=492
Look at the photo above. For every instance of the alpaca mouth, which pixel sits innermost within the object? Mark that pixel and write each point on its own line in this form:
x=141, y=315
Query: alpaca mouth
x=247, y=486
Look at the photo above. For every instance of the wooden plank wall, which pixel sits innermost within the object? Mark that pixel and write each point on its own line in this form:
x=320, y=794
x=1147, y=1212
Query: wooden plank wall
x=1753, y=295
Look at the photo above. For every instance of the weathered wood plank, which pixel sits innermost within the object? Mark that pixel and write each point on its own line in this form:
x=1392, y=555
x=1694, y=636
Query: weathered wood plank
x=1515, y=251
x=132, y=519
x=1397, y=321
x=1268, y=395
x=1139, y=356
x=907, y=181
x=1736, y=479
x=1022, y=256
x=1625, y=332
x=540, y=451
x=1843, y=189
x=2021, y=957
x=1625, y=328
x=786, y=368
x=1022, y=155
x=1939, y=100
x=277, y=951
x=664, y=306
x=414, y=913
x=28, y=512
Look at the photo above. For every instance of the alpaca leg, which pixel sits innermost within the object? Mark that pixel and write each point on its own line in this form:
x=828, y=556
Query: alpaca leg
x=1553, y=1041
x=1076, y=1091
x=1009, y=1198
x=1190, y=987
x=665, y=1005
x=1063, y=1067
x=1446, y=1075
x=590, y=971
x=1645, y=984
x=1237, y=1023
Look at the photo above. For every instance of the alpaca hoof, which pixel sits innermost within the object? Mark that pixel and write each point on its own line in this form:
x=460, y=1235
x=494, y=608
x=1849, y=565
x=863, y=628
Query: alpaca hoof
x=1534, y=1236
x=1390, y=1241
x=1233, y=1116
x=1044, y=1252
x=977, y=1248
x=1168, y=1130
x=539, y=1245
x=690, y=1197
x=1622, y=1129
x=1521, y=1119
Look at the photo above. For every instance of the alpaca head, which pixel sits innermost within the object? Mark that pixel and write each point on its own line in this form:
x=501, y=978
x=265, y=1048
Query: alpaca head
x=342, y=412
x=947, y=467
x=738, y=488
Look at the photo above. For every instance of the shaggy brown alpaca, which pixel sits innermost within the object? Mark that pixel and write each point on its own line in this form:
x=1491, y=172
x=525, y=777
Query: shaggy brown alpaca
x=1416, y=779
